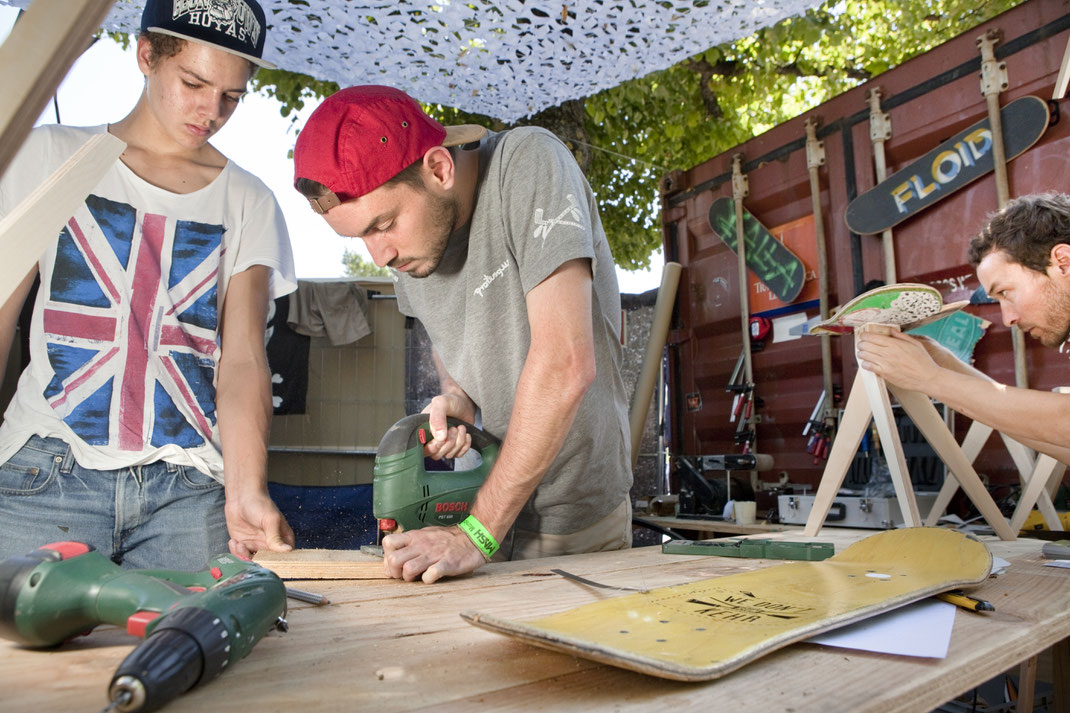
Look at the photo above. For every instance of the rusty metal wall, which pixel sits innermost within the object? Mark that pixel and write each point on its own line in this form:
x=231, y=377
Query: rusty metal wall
x=929, y=99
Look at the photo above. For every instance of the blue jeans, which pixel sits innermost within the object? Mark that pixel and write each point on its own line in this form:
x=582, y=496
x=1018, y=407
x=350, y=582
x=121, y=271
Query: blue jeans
x=159, y=516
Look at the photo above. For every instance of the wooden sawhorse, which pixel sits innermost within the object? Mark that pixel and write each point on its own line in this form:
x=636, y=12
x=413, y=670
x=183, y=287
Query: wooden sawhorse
x=869, y=399
x=1040, y=478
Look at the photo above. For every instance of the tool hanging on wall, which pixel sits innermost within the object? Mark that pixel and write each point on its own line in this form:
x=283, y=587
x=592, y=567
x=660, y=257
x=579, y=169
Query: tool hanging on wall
x=880, y=131
x=994, y=80
x=815, y=416
x=745, y=436
x=819, y=430
x=815, y=159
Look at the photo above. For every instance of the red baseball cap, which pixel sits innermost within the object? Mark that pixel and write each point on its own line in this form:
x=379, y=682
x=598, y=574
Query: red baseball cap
x=361, y=137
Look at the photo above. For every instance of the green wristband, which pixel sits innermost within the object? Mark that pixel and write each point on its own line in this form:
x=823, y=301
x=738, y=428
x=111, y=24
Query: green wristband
x=479, y=536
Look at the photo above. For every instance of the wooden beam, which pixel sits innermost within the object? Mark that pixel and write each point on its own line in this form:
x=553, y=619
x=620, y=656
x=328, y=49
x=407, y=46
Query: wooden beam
x=36, y=57
x=34, y=225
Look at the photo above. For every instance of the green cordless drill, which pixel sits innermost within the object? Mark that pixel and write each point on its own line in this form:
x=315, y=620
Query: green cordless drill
x=195, y=624
x=405, y=496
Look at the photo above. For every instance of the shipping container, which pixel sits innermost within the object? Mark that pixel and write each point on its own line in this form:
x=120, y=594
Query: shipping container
x=928, y=100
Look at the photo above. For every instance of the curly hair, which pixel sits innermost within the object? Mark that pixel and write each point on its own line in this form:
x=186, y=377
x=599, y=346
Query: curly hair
x=163, y=46
x=1026, y=229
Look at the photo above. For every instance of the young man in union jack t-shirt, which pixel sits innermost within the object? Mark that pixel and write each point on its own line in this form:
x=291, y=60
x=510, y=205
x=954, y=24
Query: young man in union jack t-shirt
x=148, y=379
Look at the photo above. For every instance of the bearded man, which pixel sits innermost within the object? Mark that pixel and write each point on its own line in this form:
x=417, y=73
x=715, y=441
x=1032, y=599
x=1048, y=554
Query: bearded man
x=497, y=248
x=1022, y=259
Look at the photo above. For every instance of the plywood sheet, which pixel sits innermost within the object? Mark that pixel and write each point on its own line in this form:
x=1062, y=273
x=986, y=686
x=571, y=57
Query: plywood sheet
x=323, y=564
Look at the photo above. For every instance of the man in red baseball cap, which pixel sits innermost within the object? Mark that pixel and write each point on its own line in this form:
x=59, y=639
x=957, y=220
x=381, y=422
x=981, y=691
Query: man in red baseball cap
x=148, y=382
x=498, y=250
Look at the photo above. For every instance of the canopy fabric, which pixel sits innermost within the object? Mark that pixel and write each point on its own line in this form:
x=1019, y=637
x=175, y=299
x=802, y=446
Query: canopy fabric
x=506, y=59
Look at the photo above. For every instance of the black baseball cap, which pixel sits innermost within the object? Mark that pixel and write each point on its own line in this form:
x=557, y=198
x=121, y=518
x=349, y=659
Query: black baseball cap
x=235, y=26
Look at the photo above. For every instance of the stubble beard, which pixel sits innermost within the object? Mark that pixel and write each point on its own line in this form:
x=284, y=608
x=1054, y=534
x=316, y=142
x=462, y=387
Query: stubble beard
x=443, y=218
x=1057, y=315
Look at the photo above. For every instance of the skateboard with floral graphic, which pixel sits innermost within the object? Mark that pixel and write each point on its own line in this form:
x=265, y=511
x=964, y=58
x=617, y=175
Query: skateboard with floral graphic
x=906, y=305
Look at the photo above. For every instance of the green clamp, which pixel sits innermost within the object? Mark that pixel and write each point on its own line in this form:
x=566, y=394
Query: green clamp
x=752, y=549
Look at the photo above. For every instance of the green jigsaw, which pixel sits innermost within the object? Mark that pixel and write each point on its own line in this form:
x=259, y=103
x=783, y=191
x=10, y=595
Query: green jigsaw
x=406, y=496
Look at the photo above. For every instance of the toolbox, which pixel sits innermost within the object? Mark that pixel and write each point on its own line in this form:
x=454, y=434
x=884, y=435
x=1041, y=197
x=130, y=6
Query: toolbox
x=880, y=513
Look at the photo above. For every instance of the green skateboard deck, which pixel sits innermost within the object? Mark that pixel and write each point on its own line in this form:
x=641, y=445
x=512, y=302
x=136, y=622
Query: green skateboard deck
x=955, y=163
x=779, y=268
x=703, y=630
x=906, y=304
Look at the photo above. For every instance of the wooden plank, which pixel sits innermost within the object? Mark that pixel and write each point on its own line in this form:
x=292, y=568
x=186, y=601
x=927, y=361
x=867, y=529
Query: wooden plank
x=36, y=56
x=34, y=225
x=322, y=564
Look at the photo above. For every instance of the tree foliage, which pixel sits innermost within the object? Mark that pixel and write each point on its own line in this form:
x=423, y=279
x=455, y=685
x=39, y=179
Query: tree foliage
x=682, y=116
x=356, y=266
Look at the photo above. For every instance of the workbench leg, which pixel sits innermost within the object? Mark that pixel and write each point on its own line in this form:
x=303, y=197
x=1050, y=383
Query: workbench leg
x=1060, y=674
x=1027, y=684
x=877, y=391
x=853, y=424
x=932, y=426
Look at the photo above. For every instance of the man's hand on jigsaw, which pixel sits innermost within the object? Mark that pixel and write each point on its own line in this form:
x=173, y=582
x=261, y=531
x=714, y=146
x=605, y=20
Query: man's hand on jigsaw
x=430, y=554
x=451, y=441
x=900, y=359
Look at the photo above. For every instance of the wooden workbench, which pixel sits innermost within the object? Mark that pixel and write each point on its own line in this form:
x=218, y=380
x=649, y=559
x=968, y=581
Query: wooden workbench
x=394, y=646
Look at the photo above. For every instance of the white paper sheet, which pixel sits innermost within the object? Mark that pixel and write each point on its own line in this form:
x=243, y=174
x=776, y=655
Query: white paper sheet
x=919, y=629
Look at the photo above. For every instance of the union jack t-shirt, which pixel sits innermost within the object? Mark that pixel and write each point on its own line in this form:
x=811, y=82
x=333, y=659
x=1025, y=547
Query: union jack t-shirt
x=125, y=341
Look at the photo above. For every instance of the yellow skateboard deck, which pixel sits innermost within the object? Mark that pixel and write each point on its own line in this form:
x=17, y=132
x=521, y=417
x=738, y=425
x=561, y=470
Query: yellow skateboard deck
x=703, y=630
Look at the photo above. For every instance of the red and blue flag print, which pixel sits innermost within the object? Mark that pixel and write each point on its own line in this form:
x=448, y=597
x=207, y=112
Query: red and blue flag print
x=130, y=327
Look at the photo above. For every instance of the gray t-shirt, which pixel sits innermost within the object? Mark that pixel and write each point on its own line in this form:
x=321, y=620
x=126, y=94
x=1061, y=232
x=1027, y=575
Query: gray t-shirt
x=534, y=211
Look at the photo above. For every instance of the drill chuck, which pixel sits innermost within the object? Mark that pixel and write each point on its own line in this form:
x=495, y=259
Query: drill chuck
x=190, y=647
x=165, y=666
